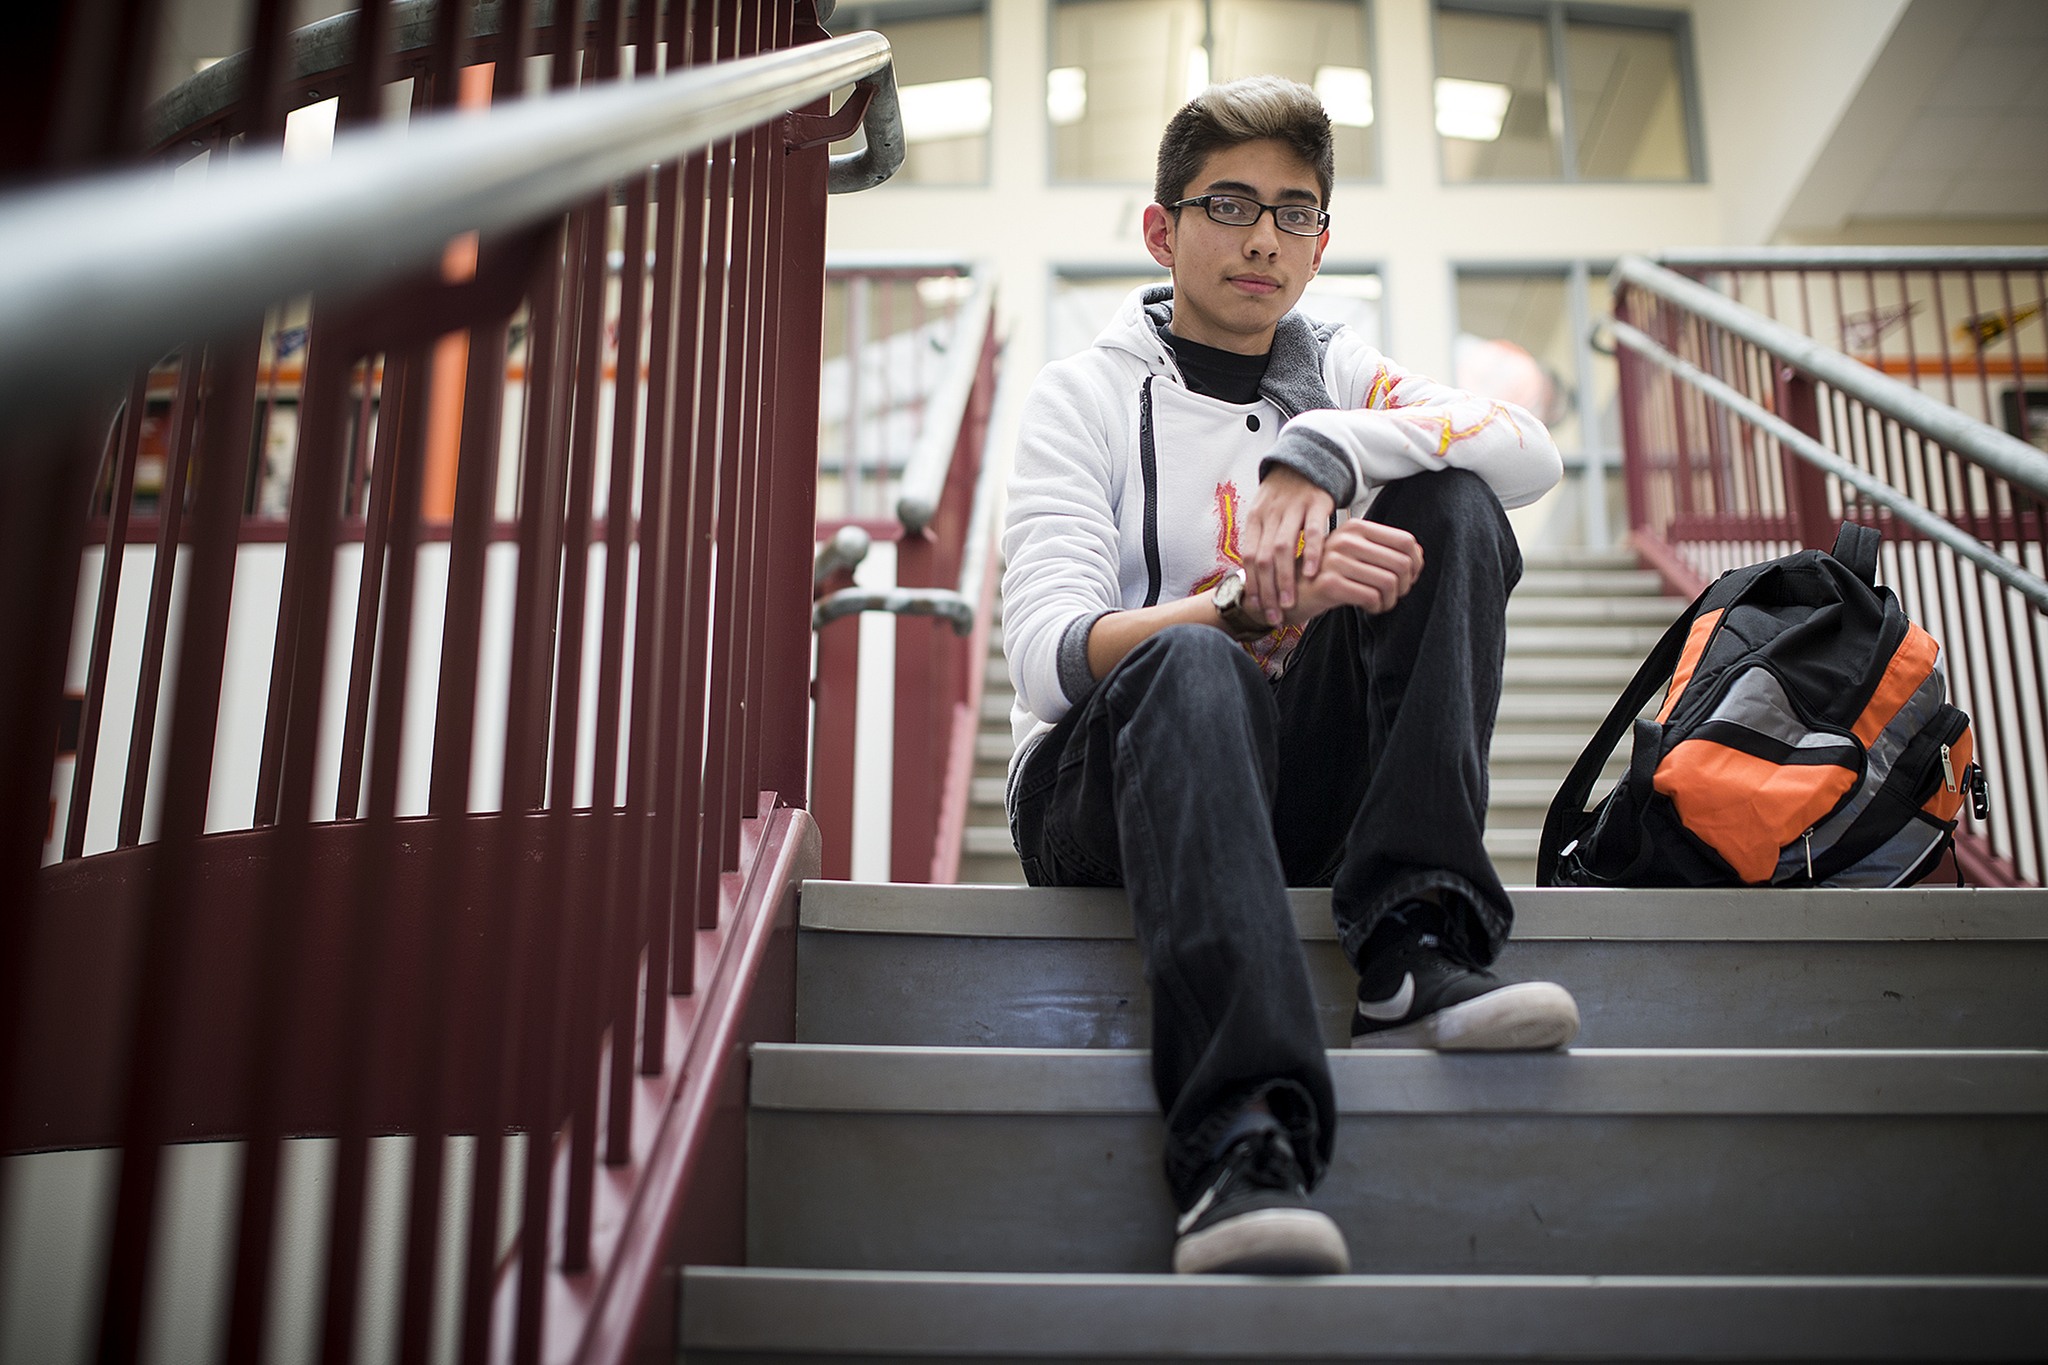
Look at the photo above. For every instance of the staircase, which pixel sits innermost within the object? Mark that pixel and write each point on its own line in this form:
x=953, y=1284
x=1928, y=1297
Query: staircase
x=1800, y=1125
x=1578, y=625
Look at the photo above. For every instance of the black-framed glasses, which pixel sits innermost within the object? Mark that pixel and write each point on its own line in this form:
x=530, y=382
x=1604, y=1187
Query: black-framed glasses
x=1234, y=210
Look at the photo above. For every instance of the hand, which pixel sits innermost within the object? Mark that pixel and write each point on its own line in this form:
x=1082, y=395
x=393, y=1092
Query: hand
x=1288, y=519
x=1366, y=564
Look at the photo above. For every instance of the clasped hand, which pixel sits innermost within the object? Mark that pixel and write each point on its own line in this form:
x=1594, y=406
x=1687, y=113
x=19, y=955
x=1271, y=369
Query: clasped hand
x=1295, y=569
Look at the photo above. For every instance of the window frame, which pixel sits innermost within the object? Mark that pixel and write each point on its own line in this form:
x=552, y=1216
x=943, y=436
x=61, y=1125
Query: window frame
x=1557, y=16
x=1053, y=178
x=1595, y=461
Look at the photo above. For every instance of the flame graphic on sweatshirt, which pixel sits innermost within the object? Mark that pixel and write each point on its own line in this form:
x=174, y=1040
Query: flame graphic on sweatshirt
x=1268, y=650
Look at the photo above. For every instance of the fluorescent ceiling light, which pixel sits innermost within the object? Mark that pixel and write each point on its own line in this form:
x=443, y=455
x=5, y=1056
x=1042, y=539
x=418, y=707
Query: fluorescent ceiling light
x=1472, y=110
x=1346, y=93
x=943, y=109
x=1066, y=95
x=1198, y=71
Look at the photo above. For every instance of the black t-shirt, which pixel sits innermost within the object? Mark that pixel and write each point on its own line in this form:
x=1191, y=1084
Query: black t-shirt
x=1226, y=375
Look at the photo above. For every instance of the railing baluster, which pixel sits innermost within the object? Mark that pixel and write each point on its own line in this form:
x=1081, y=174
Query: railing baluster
x=682, y=786
x=377, y=524
x=170, y=506
x=113, y=559
x=703, y=760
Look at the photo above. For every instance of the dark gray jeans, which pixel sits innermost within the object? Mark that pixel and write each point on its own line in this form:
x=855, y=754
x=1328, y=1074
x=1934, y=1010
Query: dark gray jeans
x=1189, y=778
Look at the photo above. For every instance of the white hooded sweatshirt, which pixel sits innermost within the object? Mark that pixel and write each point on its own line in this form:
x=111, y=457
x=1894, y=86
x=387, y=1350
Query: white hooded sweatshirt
x=1128, y=488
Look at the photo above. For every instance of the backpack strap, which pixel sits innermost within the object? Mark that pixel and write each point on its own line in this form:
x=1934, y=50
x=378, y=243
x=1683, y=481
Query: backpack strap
x=1570, y=801
x=1856, y=550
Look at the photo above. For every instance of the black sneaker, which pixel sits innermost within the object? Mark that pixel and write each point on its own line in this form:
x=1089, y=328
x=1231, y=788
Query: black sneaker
x=1253, y=1217
x=1418, y=997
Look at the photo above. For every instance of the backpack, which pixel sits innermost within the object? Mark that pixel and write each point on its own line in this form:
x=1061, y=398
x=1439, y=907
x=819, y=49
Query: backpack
x=1805, y=739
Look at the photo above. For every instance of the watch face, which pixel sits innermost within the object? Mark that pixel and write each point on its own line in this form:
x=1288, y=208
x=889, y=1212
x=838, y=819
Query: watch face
x=1229, y=593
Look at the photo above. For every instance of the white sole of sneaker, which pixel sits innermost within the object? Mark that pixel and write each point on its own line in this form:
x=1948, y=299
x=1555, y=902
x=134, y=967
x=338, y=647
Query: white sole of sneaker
x=1265, y=1242
x=1532, y=1016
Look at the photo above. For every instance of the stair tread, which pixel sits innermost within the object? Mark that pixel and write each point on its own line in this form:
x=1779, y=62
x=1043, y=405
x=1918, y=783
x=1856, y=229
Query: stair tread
x=1790, y=914
x=1389, y=1317
x=1672, y=1082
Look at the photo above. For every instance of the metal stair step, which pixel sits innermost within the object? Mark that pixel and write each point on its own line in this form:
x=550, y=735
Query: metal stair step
x=1524, y=609
x=1635, y=641
x=821, y=1315
x=1582, y=582
x=1614, y=558
x=1639, y=1162
x=1022, y=967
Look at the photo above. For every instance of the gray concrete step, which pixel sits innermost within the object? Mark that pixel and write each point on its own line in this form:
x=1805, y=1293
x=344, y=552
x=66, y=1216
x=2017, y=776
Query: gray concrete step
x=1585, y=582
x=825, y=1315
x=1589, y=1162
x=1524, y=609
x=1579, y=557
x=1017, y=967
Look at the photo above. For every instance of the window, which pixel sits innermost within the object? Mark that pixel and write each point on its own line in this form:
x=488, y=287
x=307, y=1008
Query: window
x=1120, y=68
x=1524, y=336
x=1083, y=301
x=1621, y=111
x=942, y=85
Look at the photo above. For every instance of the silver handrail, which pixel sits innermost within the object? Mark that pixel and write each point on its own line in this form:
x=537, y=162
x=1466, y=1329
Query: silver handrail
x=2007, y=456
x=1889, y=259
x=957, y=606
x=323, y=48
x=99, y=277
x=925, y=472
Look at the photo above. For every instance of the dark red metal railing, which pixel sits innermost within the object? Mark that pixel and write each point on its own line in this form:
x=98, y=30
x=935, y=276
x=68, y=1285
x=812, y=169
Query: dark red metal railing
x=1746, y=439
x=476, y=829
x=931, y=459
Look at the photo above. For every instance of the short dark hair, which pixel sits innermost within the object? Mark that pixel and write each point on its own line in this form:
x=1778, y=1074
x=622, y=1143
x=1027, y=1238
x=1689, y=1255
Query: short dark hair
x=1248, y=110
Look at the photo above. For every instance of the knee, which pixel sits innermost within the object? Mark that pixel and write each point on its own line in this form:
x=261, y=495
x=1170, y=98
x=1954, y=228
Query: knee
x=1196, y=665
x=1456, y=516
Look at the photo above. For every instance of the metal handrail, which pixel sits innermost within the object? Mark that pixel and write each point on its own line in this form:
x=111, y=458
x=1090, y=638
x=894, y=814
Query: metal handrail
x=329, y=45
x=1929, y=524
x=1853, y=257
x=2007, y=456
x=926, y=471
x=107, y=275
x=957, y=606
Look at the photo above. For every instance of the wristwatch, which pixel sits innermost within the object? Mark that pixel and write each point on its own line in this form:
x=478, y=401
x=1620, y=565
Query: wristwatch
x=1239, y=619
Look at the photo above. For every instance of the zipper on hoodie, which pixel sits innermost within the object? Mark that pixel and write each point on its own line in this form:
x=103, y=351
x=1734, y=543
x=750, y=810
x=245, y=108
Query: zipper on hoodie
x=1148, y=469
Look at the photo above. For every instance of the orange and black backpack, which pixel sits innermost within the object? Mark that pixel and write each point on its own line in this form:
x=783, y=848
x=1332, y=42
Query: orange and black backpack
x=1805, y=739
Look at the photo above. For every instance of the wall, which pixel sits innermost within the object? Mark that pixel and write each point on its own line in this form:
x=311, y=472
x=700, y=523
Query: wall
x=1777, y=77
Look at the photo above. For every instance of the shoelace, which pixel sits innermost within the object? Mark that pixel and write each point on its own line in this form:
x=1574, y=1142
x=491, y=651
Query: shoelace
x=1264, y=1160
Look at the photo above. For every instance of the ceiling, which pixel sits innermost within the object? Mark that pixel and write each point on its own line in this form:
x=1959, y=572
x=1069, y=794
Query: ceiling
x=1950, y=124
x=1976, y=145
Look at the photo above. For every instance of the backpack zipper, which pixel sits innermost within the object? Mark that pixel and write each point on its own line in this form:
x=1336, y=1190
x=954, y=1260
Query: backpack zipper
x=1807, y=839
x=1948, y=770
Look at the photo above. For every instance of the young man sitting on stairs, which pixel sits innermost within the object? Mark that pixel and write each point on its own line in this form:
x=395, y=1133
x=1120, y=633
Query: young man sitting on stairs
x=1255, y=614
